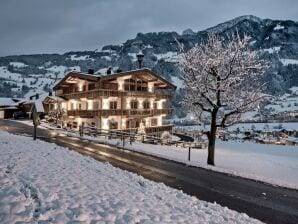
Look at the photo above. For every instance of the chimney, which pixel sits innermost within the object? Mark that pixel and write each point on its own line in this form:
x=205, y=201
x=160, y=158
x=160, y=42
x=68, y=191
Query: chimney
x=36, y=96
x=140, y=57
x=50, y=93
x=90, y=71
x=119, y=70
x=109, y=71
x=31, y=98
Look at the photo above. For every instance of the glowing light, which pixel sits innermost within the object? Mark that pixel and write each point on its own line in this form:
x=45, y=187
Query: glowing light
x=160, y=104
x=123, y=125
x=90, y=104
x=151, y=87
x=80, y=85
x=105, y=104
x=105, y=123
x=141, y=103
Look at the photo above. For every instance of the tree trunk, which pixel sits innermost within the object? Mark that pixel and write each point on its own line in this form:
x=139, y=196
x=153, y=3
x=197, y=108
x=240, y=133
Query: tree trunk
x=34, y=132
x=211, y=139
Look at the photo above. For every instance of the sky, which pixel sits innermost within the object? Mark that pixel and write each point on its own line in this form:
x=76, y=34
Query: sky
x=58, y=26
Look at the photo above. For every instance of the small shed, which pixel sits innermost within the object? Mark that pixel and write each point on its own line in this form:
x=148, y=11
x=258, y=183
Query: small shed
x=7, y=107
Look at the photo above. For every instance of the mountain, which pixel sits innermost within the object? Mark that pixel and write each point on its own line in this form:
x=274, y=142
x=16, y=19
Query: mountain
x=277, y=40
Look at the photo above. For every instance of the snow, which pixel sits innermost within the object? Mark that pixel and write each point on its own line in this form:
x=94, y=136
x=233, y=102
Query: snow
x=177, y=81
x=44, y=183
x=80, y=58
x=169, y=56
x=39, y=106
x=18, y=64
x=278, y=27
x=108, y=58
x=277, y=165
x=290, y=126
x=252, y=42
x=273, y=164
x=294, y=90
x=59, y=68
x=286, y=61
x=272, y=50
x=286, y=103
x=6, y=102
x=250, y=115
x=133, y=56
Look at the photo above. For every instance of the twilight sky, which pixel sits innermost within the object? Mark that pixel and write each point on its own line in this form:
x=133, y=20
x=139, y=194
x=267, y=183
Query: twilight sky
x=57, y=26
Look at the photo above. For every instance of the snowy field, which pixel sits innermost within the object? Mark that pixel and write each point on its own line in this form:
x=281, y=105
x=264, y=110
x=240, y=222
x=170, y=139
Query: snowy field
x=44, y=183
x=289, y=126
x=274, y=164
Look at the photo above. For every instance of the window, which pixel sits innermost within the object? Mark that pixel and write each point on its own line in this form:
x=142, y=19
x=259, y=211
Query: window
x=71, y=106
x=135, y=85
x=95, y=105
x=146, y=105
x=87, y=106
x=153, y=122
x=80, y=106
x=113, y=105
x=113, y=124
x=91, y=86
x=134, y=104
x=155, y=105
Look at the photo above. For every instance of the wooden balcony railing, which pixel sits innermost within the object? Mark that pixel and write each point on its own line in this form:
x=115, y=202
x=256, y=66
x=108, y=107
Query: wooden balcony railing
x=118, y=112
x=91, y=94
x=155, y=129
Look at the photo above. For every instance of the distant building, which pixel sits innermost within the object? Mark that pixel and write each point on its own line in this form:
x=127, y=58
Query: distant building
x=8, y=106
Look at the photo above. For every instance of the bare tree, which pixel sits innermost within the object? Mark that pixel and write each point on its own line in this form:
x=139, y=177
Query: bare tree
x=222, y=79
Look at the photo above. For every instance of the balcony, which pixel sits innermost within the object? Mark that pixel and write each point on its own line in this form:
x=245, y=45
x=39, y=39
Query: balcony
x=91, y=94
x=156, y=129
x=118, y=112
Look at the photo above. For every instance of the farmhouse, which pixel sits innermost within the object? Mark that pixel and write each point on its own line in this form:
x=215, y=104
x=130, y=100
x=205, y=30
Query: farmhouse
x=122, y=101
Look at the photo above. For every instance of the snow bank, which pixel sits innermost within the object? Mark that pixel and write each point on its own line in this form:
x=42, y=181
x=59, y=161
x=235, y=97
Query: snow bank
x=44, y=182
x=286, y=61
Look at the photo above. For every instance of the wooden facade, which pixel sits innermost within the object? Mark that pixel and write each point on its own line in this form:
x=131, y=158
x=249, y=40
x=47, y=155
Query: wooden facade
x=121, y=101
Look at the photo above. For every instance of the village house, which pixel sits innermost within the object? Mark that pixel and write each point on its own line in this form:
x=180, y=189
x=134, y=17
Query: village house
x=123, y=101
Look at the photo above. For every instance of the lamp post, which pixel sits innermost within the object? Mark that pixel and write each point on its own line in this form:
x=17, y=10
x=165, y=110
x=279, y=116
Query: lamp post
x=140, y=57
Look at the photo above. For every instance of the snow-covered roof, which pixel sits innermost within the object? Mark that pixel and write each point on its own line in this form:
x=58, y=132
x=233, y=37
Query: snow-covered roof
x=39, y=106
x=6, y=102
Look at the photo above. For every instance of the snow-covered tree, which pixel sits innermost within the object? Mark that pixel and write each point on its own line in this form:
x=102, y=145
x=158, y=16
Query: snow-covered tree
x=222, y=79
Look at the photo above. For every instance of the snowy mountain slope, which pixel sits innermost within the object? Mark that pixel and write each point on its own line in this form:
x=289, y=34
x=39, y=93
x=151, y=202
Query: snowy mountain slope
x=277, y=40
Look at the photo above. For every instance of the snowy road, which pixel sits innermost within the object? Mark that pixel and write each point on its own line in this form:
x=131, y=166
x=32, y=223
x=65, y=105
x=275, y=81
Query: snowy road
x=264, y=202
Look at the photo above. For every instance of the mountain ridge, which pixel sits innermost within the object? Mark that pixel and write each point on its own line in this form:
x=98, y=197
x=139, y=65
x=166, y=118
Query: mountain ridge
x=277, y=41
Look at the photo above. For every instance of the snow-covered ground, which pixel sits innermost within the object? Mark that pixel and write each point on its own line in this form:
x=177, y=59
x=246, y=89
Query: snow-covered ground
x=274, y=164
x=42, y=182
x=277, y=165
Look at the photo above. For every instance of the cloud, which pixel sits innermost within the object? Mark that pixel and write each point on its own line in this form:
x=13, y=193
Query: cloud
x=35, y=26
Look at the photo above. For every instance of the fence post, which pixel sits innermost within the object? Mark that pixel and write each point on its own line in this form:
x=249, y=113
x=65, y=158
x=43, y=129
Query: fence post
x=123, y=141
x=189, y=153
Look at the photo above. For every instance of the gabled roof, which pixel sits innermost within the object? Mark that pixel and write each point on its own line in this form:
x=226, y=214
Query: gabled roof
x=95, y=78
x=138, y=71
x=80, y=75
x=6, y=102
